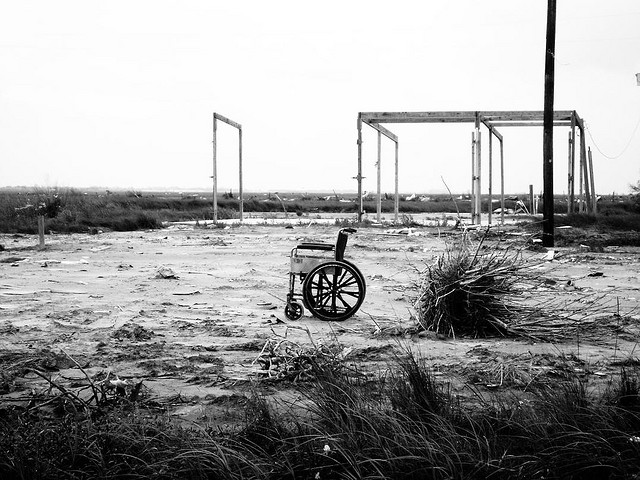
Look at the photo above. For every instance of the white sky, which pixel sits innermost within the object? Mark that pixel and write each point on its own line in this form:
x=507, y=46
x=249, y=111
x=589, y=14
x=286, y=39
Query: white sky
x=121, y=93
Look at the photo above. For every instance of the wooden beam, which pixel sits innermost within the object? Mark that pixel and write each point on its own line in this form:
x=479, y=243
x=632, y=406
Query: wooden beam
x=525, y=115
x=417, y=117
x=461, y=116
x=532, y=123
x=217, y=116
x=578, y=120
x=491, y=129
x=390, y=135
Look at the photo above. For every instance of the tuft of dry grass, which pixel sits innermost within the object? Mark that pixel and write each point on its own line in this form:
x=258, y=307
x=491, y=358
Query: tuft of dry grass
x=469, y=291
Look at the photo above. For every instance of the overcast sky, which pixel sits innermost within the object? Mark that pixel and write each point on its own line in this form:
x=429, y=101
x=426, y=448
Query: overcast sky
x=121, y=93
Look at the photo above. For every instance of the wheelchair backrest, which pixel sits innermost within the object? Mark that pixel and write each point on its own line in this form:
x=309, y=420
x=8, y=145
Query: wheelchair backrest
x=341, y=245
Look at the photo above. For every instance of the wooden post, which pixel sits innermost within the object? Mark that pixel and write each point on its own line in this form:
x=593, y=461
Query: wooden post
x=585, y=176
x=547, y=147
x=359, y=177
x=532, y=210
x=490, y=174
x=41, y=230
x=473, y=176
x=215, y=169
x=478, y=182
x=379, y=183
x=594, y=202
x=581, y=178
x=572, y=164
x=569, y=175
x=501, y=181
x=396, y=206
x=241, y=191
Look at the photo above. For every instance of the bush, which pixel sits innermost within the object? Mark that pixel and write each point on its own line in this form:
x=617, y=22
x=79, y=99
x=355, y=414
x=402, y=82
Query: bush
x=469, y=291
x=131, y=222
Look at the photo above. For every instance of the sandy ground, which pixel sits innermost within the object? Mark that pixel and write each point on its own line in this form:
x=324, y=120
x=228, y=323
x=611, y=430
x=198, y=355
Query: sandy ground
x=187, y=311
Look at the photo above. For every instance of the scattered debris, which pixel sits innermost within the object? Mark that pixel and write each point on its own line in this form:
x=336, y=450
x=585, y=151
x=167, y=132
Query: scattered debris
x=187, y=292
x=132, y=331
x=166, y=273
x=410, y=232
x=282, y=359
x=100, y=249
x=12, y=259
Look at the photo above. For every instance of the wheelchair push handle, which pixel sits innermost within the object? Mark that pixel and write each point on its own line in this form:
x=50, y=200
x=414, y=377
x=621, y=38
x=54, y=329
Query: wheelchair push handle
x=348, y=230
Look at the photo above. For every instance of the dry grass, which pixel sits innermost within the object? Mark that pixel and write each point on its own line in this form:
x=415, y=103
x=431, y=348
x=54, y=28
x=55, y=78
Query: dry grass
x=479, y=290
x=403, y=425
x=470, y=290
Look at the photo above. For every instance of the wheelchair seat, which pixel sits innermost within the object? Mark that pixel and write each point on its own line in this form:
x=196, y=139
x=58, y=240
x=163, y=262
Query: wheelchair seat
x=316, y=246
x=339, y=247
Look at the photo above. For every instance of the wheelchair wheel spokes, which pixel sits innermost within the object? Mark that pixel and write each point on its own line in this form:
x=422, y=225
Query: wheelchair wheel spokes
x=333, y=291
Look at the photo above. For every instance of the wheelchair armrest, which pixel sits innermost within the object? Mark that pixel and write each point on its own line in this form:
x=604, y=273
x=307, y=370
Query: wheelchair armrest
x=316, y=246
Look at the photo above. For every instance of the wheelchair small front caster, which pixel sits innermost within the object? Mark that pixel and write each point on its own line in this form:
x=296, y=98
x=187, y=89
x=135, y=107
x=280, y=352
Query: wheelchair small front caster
x=293, y=310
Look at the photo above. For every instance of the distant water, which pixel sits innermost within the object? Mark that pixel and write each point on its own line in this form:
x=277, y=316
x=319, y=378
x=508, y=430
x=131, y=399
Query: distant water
x=421, y=219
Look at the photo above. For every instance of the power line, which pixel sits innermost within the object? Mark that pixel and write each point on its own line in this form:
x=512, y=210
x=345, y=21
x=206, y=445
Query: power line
x=633, y=134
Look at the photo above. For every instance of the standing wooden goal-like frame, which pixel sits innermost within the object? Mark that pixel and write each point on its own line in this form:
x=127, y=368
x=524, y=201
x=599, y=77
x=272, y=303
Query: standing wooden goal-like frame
x=491, y=120
x=217, y=117
x=391, y=136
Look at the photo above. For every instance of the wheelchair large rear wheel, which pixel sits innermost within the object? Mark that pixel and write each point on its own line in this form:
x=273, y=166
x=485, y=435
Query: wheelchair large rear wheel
x=333, y=290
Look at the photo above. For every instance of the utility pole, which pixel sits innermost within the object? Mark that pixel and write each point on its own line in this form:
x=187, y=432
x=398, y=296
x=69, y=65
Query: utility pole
x=547, y=137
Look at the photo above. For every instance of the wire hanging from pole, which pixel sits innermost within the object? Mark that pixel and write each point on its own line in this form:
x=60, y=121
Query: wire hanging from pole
x=633, y=134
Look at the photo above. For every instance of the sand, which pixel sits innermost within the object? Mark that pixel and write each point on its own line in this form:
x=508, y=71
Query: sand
x=188, y=311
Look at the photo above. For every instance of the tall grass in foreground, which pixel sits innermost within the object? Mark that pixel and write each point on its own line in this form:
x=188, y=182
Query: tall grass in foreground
x=402, y=425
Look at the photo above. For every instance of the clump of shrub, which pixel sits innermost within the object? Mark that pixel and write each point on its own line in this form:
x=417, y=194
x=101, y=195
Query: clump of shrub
x=470, y=290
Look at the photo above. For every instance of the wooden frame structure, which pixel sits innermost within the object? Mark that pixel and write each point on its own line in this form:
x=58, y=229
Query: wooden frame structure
x=217, y=117
x=391, y=136
x=491, y=120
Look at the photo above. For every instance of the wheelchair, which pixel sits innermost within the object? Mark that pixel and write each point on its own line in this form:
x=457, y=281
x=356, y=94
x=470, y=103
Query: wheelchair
x=332, y=288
